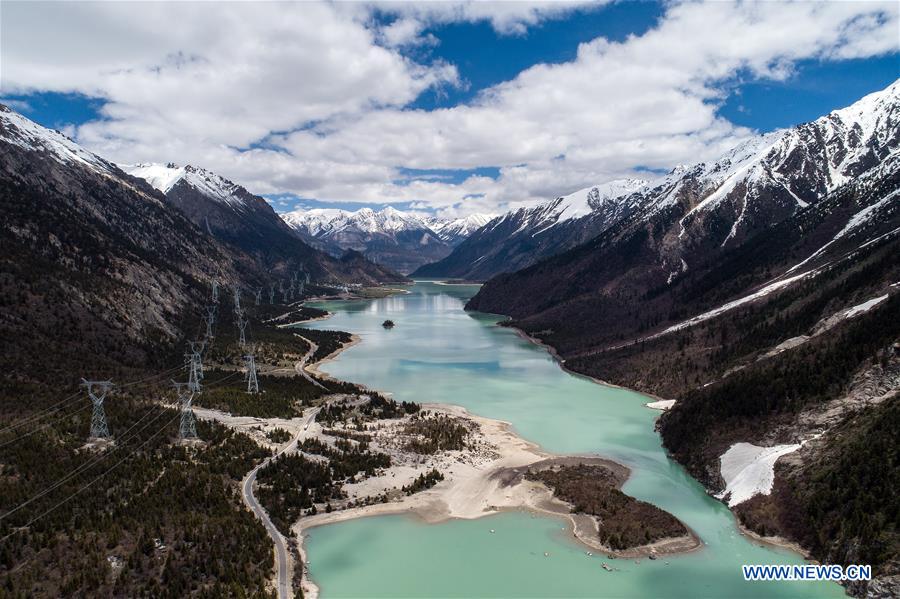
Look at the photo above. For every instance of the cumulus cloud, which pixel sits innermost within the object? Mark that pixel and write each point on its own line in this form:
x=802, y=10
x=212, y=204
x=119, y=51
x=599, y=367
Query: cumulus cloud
x=314, y=99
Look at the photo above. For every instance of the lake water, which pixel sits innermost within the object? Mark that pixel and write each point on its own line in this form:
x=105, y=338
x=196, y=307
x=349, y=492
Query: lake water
x=437, y=352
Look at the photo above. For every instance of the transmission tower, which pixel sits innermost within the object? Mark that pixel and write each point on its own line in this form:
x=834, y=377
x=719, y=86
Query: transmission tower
x=188, y=428
x=252, y=382
x=210, y=320
x=195, y=364
x=307, y=278
x=242, y=326
x=284, y=295
x=215, y=291
x=97, y=391
x=272, y=293
x=258, y=295
x=301, y=288
x=237, y=300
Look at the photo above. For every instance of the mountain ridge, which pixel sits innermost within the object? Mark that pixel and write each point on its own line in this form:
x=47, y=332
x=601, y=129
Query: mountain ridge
x=229, y=212
x=400, y=240
x=755, y=183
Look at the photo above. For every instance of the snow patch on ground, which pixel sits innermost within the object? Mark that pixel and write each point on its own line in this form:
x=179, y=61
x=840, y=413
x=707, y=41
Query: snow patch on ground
x=749, y=470
x=865, y=306
x=663, y=404
x=770, y=288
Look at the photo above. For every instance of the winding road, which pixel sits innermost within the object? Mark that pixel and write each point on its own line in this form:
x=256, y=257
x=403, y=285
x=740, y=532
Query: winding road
x=300, y=366
x=282, y=573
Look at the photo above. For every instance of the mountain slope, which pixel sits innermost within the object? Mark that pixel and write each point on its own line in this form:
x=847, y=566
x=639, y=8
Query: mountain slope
x=245, y=221
x=762, y=181
x=397, y=239
x=761, y=291
x=673, y=232
x=520, y=238
x=97, y=266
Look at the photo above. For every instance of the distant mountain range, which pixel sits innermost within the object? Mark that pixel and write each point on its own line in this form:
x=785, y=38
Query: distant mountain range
x=401, y=241
x=762, y=292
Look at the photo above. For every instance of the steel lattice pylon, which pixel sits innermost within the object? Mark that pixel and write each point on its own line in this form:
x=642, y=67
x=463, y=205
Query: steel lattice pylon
x=242, y=327
x=97, y=391
x=252, y=382
x=195, y=364
x=188, y=427
x=210, y=320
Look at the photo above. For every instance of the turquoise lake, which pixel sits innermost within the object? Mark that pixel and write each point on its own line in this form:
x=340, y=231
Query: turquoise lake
x=437, y=352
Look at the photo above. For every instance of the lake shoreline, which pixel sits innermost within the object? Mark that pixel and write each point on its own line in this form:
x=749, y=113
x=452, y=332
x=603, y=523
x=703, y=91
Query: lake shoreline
x=562, y=364
x=475, y=490
x=487, y=493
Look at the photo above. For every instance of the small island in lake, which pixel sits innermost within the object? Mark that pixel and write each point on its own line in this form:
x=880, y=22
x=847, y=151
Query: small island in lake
x=388, y=324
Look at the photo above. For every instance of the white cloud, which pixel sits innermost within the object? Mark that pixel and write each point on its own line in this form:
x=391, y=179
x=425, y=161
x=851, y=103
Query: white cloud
x=192, y=82
x=505, y=16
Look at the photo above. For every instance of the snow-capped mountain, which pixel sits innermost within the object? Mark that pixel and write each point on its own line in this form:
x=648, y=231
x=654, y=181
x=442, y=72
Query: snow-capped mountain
x=107, y=267
x=230, y=213
x=768, y=217
x=760, y=182
x=456, y=230
x=519, y=238
x=328, y=221
x=398, y=239
x=166, y=177
x=28, y=135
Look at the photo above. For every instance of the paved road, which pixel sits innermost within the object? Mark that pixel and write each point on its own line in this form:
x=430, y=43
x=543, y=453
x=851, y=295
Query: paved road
x=281, y=552
x=300, y=366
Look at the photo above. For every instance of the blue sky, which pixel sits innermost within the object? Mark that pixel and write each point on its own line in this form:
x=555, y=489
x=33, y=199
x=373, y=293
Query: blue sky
x=414, y=128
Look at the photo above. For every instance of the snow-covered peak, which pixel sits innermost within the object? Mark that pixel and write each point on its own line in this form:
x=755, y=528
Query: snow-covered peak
x=607, y=197
x=316, y=221
x=25, y=133
x=585, y=201
x=386, y=220
x=160, y=176
x=743, y=162
x=164, y=177
x=458, y=228
x=326, y=221
x=870, y=111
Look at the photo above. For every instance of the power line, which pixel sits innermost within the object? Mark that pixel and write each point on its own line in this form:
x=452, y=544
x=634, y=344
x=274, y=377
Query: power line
x=41, y=414
x=46, y=412
x=100, y=457
x=84, y=466
x=110, y=469
x=46, y=425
